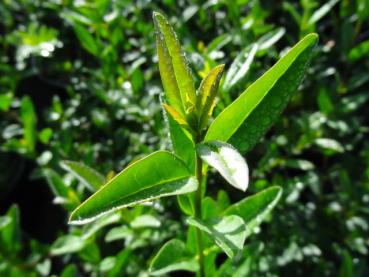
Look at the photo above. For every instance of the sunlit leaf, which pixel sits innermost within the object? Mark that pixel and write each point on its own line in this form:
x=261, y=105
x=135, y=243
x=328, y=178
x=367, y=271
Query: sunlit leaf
x=229, y=232
x=227, y=161
x=322, y=11
x=246, y=120
x=206, y=94
x=67, y=244
x=157, y=175
x=175, y=74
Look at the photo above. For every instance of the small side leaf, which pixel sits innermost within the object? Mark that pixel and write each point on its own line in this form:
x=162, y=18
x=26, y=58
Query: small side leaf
x=247, y=119
x=227, y=161
x=255, y=208
x=171, y=257
x=157, y=175
x=206, y=95
x=229, y=232
x=92, y=179
x=29, y=120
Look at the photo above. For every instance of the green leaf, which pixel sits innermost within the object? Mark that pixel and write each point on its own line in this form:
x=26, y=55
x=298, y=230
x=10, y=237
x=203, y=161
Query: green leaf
x=5, y=101
x=175, y=73
x=86, y=39
x=118, y=233
x=29, y=119
x=246, y=120
x=359, y=51
x=207, y=91
x=67, y=244
x=270, y=38
x=171, y=257
x=255, y=208
x=10, y=235
x=227, y=161
x=145, y=221
x=157, y=175
x=239, y=67
x=92, y=179
x=229, y=232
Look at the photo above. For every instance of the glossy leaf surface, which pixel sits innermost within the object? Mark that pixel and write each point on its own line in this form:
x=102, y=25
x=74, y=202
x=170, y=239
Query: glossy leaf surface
x=227, y=161
x=229, y=232
x=157, y=175
x=246, y=120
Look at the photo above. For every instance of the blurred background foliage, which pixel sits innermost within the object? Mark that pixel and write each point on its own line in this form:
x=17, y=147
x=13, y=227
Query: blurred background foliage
x=79, y=81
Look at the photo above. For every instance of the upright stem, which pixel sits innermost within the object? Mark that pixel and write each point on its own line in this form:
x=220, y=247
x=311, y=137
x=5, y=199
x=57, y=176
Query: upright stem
x=198, y=199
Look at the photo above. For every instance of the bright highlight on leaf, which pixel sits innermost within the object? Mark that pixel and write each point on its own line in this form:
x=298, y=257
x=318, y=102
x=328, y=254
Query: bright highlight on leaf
x=229, y=232
x=157, y=175
x=227, y=161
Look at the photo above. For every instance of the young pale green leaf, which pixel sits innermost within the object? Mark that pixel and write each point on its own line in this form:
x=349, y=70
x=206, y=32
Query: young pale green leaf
x=270, y=38
x=322, y=11
x=67, y=244
x=175, y=73
x=92, y=179
x=246, y=120
x=28, y=116
x=171, y=257
x=227, y=161
x=255, y=208
x=157, y=175
x=177, y=117
x=206, y=95
x=229, y=232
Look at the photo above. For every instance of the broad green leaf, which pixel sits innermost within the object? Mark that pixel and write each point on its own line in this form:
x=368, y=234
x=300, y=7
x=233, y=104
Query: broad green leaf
x=229, y=232
x=4, y=221
x=171, y=257
x=227, y=161
x=239, y=67
x=207, y=91
x=92, y=179
x=255, y=208
x=157, y=175
x=28, y=116
x=359, y=51
x=70, y=271
x=173, y=66
x=118, y=233
x=5, y=101
x=87, y=40
x=246, y=119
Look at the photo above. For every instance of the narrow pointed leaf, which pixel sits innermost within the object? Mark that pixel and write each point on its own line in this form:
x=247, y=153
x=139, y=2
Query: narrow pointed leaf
x=29, y=120
x=92, y=179
x=157, y=175
x=227, y=161
x=206, y=95
x=176, y=75
x=173, y=256
x=255, y=208
x=229, y=232
x=247, y=119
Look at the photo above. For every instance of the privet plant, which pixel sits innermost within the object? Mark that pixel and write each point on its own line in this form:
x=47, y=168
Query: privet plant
x=214, y=225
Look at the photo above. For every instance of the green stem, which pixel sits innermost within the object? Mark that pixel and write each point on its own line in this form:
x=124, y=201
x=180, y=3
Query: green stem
x=198, y=199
